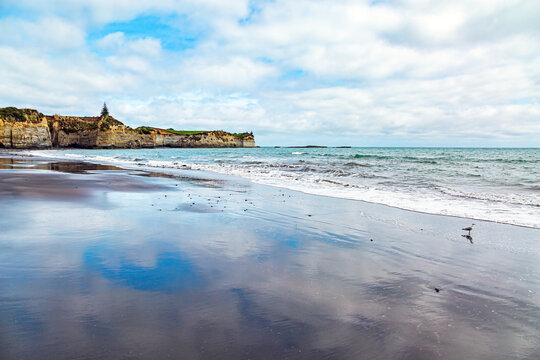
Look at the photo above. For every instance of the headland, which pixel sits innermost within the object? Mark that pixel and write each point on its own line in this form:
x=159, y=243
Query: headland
x=30, y=129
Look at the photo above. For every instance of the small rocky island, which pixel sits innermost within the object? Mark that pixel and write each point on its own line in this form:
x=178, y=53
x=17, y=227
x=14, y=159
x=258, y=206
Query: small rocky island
x=30, y=129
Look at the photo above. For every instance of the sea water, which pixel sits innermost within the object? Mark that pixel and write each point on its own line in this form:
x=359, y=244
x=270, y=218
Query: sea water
x=501, y=185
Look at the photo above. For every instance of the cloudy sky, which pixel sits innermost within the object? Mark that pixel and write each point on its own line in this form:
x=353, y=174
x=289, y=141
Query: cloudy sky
x=365, y=73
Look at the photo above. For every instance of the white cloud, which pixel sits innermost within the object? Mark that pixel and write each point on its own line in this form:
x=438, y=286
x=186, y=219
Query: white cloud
x=441, y=25
x=117, y=42
x=48, y=33
x=228, y=73
x=112, y=41
x=407, y=68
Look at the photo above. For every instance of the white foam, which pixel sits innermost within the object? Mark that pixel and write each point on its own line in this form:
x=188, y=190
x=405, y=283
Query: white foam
x=516, y=209
x=526, y=213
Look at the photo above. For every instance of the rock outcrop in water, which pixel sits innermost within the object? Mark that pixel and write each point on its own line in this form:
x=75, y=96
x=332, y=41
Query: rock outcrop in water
x=30, y=129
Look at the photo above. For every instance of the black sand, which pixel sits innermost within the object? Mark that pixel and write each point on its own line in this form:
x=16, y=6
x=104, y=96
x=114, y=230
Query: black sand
x=98, y=262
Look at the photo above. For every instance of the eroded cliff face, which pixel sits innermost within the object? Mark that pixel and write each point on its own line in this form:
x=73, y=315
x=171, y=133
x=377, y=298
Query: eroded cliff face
x=220, y=139
x=26, y=128
x=162, y=138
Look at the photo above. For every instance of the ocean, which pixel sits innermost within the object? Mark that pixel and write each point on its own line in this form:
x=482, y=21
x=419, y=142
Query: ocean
x=500, y=185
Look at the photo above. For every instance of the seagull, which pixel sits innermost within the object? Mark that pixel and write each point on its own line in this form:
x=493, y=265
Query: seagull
x=468, y=228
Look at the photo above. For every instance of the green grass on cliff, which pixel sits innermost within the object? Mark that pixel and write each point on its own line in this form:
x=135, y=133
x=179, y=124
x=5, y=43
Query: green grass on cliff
x=243, y=135
x=187, y=132
x=194, y=132
x=148, y=130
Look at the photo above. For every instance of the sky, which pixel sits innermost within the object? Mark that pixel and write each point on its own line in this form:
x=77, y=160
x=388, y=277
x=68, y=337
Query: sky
x=360, y=73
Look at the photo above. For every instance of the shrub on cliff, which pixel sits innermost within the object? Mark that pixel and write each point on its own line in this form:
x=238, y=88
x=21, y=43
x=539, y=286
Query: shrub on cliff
x=243, y=135
x=12, y=114
x=108, y=122
x=144, y=130
x=71, y=125
x=105, y=125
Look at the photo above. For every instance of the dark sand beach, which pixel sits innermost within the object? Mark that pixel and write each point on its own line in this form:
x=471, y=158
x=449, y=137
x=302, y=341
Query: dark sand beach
x=99, y=262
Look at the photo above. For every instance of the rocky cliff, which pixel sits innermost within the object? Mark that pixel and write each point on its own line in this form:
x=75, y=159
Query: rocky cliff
x=27, y=128
x=23, y=128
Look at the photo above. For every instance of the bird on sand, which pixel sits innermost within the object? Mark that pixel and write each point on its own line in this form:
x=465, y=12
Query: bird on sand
x=468, y=228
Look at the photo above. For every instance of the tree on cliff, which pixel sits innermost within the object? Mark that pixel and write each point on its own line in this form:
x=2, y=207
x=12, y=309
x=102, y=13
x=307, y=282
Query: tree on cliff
x=104, y=111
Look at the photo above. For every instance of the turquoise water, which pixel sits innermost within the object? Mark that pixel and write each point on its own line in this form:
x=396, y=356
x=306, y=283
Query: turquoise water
x=501, y=185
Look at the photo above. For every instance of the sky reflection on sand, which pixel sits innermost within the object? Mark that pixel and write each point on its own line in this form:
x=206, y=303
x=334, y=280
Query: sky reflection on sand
x=169, y=273
x=258, y=278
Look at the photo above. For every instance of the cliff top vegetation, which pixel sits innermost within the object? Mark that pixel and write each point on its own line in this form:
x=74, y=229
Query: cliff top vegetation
x=12, y=114
x=194, y=132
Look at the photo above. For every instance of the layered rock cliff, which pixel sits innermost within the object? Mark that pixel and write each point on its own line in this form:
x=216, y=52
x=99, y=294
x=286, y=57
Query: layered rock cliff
x=27, y=128
x=23, y=128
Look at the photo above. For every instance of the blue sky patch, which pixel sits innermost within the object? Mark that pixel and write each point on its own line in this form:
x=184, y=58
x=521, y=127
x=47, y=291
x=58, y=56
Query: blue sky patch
x=176, y=33
x=293, y=74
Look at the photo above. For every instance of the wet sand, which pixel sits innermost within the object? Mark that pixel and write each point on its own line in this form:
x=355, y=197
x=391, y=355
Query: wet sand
x=98, y=262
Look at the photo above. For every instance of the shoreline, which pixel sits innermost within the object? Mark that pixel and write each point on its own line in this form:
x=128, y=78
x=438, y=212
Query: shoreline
x=172, y=170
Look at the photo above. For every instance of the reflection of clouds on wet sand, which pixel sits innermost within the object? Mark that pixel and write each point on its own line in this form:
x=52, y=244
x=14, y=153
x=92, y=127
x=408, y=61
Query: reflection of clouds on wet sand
x=131, y=280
